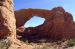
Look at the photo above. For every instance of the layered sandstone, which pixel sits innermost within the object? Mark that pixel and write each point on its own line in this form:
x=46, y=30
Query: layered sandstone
x=7, y=19
x=58, y=23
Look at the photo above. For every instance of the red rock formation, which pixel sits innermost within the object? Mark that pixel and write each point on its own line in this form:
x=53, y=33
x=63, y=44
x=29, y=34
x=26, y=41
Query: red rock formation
x=7, y=20
x=58, y=23
x=22, y=16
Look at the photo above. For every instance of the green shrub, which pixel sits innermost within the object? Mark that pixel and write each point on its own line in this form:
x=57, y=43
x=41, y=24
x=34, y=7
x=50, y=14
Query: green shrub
x=25, y=41
x=4, y=44
x=71, y=43
x=44, y=47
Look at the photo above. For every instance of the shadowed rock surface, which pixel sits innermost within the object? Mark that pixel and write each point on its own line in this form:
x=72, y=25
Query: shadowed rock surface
x=58, y=24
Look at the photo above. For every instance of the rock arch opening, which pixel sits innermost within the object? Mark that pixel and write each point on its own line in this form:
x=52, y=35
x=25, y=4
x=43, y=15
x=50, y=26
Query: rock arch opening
x=34, y=22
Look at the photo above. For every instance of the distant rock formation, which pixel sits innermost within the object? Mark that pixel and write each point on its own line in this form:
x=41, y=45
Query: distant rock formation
x=58, y=23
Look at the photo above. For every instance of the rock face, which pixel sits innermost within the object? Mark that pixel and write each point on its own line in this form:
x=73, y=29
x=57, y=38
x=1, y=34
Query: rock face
x=7, y=19
x=8, y=27
x=58, y=23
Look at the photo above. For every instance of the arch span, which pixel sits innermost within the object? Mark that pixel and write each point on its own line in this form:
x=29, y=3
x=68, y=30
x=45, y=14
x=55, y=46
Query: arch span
x=58, y=23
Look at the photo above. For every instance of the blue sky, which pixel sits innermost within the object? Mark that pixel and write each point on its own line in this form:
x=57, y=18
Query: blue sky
x=35, y=21
x=68, y=5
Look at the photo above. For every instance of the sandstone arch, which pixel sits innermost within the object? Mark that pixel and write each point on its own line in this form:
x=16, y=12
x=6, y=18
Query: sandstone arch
x=58, y=23
x=25, y=15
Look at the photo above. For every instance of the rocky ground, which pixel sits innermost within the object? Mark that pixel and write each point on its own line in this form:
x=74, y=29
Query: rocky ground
x=54, y=45
x=68, y=44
